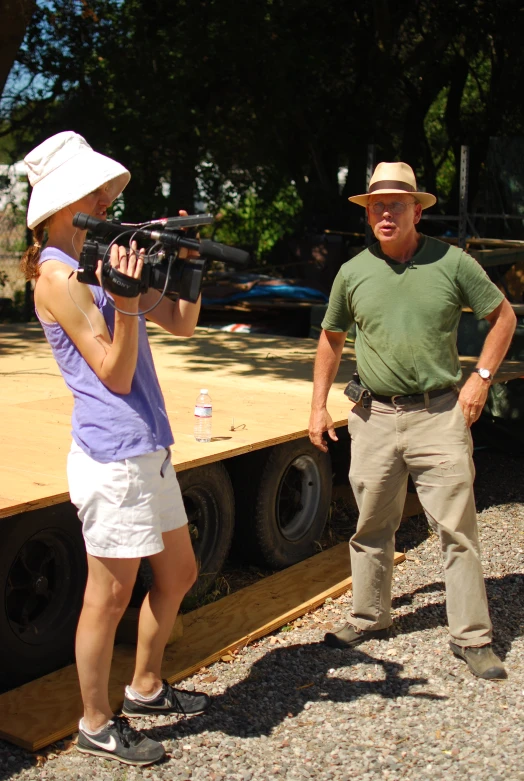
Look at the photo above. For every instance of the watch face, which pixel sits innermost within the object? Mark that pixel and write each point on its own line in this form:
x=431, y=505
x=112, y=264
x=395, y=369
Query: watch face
x=484, y=373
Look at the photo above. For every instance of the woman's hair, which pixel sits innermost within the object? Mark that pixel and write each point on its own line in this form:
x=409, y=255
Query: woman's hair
x=29, y=261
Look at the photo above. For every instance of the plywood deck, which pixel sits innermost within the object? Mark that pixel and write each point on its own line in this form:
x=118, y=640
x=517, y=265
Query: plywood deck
x=54, y=701
x=260, y=387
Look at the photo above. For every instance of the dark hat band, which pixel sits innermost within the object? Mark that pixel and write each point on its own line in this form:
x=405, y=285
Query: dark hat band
x=391, y=185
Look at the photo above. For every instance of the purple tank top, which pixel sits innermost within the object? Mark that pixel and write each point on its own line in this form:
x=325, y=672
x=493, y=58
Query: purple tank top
x=109, y=426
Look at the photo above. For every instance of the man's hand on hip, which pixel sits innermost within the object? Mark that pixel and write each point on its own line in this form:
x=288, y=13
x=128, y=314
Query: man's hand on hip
x=472, y=398
x=320, y=421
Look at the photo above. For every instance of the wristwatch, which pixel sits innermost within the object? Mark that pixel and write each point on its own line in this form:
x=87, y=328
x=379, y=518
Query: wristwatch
x=484, y=373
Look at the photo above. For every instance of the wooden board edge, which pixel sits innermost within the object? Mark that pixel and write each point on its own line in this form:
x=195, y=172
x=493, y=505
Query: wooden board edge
x=334, y=591
x=250, y=448
x=291, y=615
x=33, y=504
x=28, y=746
x=239, y=451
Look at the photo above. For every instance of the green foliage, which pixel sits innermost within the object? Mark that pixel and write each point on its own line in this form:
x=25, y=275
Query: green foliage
x=6, y=150
x=254, y=223
x=280, y=91
x=438, y=140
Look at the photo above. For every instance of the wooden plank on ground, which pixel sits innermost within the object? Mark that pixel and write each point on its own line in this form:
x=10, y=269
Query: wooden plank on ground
x=45, y=710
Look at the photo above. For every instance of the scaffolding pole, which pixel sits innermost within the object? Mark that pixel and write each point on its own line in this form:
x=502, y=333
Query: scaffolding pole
x=463, y=196
x=370, y=167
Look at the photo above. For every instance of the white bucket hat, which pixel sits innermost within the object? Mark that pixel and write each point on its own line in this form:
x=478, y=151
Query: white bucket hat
x=63, y=169
x=394, y=179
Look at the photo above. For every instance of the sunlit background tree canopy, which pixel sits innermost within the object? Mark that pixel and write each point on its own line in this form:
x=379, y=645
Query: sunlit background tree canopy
x=252, y=110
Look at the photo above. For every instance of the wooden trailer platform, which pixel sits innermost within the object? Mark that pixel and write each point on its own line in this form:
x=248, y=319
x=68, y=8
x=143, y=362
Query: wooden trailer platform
x=260, y=387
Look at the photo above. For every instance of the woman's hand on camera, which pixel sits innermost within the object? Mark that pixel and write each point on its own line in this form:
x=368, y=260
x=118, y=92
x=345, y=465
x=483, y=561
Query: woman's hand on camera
x=128, y=261
x=187, y=253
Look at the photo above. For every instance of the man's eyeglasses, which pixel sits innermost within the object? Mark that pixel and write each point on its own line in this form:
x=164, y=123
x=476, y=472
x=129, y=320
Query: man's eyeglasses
x=395, y=207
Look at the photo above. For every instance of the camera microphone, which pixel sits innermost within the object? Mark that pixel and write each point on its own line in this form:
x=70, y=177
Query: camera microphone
x=105, y=228
x=175, y=223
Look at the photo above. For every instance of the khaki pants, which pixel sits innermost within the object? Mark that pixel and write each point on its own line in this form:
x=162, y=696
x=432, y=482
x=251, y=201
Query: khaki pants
x=433, y=444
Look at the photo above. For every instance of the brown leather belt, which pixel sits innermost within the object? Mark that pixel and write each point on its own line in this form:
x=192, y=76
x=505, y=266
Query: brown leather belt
x=414, y=398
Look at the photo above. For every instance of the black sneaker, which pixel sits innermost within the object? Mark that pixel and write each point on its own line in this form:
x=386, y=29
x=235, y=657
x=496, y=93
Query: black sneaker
x=119, y=741
x=170, y=700
x=349, y=636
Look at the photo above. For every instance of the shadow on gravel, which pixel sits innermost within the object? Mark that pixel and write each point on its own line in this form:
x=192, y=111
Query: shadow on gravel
x=499, y=479
x=284, y=680
x=407, y=599
x=506, y=606
x=9, y=772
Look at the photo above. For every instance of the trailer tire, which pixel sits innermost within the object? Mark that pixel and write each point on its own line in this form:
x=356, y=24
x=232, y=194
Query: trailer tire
x=291, y=503
x=42, y=580
x=210, y=506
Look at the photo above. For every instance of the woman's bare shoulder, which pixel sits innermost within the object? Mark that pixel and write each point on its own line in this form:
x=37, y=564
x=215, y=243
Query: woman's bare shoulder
x=54, y=287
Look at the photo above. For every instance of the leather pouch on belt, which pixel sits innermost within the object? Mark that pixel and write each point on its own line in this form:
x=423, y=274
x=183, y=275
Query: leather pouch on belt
x=358, y=394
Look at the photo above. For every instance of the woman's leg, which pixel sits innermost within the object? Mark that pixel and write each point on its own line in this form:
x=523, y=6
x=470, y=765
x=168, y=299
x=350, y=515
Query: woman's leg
x=108, y=591
x=174, y=571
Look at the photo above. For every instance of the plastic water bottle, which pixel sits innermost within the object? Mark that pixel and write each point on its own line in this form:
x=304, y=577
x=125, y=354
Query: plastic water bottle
x=203, y=413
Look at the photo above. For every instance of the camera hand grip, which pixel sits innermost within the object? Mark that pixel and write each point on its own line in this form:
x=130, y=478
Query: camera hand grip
x=121, y=284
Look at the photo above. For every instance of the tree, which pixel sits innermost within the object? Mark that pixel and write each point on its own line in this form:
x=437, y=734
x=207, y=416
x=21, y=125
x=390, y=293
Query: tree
x=15, y=15
x=195, y=95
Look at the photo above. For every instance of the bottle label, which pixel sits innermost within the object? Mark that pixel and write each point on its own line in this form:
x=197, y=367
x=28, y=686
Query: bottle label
x=203, y=412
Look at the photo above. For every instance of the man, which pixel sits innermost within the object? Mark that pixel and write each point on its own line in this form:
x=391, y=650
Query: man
x=405, y=295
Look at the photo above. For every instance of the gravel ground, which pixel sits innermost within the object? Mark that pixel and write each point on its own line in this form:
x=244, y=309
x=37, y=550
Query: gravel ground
x=288, y=707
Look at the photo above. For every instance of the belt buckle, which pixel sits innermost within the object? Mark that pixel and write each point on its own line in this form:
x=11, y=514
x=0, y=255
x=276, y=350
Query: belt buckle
x=407, y=398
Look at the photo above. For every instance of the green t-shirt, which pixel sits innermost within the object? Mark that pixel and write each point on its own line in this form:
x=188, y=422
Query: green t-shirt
x=407, y=314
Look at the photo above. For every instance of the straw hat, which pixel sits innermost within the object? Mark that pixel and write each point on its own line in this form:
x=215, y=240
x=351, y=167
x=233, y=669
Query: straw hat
x=394, y=179
x=63, y=169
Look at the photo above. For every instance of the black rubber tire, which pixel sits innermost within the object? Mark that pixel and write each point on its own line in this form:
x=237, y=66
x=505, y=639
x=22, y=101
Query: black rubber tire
x=210, y=506
x=282, y=514
x=43, y=572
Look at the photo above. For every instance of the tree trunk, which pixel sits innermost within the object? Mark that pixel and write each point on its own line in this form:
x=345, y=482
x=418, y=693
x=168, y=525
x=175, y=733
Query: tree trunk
x=15, y=16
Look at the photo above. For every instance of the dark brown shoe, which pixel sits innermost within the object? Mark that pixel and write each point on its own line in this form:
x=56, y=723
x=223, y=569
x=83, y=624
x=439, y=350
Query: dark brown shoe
x=481, y=660
x=349, y=636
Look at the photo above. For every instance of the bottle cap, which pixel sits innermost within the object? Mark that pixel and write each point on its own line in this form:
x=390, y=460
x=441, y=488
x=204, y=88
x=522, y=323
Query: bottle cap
x=203, y=390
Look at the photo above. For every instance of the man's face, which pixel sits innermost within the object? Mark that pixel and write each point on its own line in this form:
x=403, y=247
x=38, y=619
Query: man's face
x=393, y=217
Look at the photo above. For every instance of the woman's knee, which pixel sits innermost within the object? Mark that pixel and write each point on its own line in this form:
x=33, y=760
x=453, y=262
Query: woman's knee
x=178, y=579
x=110, y=598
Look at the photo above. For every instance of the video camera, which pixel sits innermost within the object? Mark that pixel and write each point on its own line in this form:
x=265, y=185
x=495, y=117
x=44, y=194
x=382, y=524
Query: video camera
x=163, y=270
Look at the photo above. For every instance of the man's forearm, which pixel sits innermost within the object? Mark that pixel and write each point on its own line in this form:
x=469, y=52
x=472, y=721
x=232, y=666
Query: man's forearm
x=474, y=392
x=329, y=353
x=497, y=342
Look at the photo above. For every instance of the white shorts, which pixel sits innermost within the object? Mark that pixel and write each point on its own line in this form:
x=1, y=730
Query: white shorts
x=125, y=506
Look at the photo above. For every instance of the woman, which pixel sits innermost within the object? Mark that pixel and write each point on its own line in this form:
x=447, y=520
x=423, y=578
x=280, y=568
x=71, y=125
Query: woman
x=119, y=468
